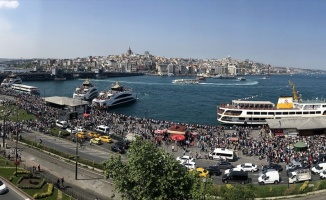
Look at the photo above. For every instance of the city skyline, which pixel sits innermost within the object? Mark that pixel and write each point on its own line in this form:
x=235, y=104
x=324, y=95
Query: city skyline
x=281, y=33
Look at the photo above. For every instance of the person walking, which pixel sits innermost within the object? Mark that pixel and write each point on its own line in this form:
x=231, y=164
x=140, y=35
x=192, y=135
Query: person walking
x=62, y=181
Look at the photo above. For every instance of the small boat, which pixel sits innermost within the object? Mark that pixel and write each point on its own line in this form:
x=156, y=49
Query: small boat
x=114, y=96
x=11, y=79
x=266, y=77
x=185, y=81
x=241, y=78
x=87, y=91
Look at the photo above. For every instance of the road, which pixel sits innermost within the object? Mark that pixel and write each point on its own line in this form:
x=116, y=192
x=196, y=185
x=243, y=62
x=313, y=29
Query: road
x=13, y=193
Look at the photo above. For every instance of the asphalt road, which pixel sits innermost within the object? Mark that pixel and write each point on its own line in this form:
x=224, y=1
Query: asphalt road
x=12, y=193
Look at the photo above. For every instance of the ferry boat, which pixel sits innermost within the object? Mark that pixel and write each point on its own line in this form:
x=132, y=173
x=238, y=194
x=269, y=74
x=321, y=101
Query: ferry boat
x=11, y=79
x=27, y=89
x=117, y=95
x=186, y=81
x=87, y=91
x=244, y=112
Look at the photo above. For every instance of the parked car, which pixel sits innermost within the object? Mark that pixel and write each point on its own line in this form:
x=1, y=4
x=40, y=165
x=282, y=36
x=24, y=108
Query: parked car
x=123, y=143
x=3, y=187
x=81, y=135
x=184, y=159
x=224, y=165
x=278, y=167
x=213, y=170
x=71, y=130
x=93, y=134
x=61, y=124
x=96, y=141
x=118, y=149
x=236, y=177
x=105, y=138
x=248, y=167
x=190, y=165
x=200, y=171
x=227, y=171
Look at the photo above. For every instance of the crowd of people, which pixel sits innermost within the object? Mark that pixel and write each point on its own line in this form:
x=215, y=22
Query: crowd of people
x=200, y=138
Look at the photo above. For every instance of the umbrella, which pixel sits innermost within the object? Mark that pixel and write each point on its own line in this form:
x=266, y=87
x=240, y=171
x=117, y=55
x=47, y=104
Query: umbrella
x=86, y=115
x=177, y=137
x=300, y=146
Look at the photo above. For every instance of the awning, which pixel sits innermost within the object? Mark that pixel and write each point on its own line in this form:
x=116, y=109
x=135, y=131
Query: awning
x=176, y=132
x=177, y=137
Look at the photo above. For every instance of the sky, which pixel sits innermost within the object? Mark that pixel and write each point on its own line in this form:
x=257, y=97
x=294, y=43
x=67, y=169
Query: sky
x=283, y=33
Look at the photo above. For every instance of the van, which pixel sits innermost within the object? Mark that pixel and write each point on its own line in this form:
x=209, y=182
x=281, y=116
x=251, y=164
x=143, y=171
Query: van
x=102, y=129
x=319, y=168
x=269, y=177
x=236, y=177
x=300, y=175
x=61, y=124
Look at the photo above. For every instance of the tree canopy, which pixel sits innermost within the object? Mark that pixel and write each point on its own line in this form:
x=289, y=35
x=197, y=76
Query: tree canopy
x=151, y=173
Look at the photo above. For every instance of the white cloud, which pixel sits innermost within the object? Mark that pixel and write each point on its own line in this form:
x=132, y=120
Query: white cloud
x=11, y=4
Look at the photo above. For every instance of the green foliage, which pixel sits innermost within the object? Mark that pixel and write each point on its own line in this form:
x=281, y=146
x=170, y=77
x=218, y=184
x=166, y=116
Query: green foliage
x=45, y=194
x=322, y=185
x=151, y=173
x=236, y=192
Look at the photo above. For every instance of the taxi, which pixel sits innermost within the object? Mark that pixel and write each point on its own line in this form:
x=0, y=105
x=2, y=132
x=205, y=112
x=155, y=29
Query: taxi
x=96, y=141
x=200, y=171
x=105, y=139
x=92, y=134
x=81, y=135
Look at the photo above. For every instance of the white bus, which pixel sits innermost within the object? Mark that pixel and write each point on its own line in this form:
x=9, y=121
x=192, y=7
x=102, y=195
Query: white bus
x=27, y=89
x=222, y=154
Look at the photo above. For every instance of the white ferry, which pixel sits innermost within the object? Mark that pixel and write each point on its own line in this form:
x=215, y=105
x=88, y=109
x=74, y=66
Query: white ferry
x=115, y=96
x=87, y=91
x=27, y=89
x=11, y=79
x=186, y=81
x=243, y=112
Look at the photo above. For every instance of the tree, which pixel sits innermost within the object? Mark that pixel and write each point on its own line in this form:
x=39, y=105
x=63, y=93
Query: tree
x=151, y=173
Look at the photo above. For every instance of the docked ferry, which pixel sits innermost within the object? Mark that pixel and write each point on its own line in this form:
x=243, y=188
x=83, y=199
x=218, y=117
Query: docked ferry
x=11, y=79
x=87, y=91
x=243, y=112
x=116, y=95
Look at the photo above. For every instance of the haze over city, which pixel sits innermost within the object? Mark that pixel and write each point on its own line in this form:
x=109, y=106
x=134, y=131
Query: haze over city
x=282, y=33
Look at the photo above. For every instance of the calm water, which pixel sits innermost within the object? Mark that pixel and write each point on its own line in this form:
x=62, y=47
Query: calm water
x=160, y=99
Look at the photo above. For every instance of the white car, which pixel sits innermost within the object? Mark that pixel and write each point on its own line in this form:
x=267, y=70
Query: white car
x=190, y=165
x=322, y=174
x=71, y=130
x=248, y=167
x=3, y=187
x=227, y=171
x=184, y=159
x=80, y=129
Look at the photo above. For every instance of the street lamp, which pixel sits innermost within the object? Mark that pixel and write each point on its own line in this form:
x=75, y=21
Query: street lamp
x=76, y=156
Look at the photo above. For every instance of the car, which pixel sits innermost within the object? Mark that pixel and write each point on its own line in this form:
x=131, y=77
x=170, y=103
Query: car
x=224, y=165
x=248, y=167
x=103, y=129
x=227, y=171
x=81, y=135
x=183, y=159
x=213, y=170
x=236, y=177
x=118, y=149
x=3, y=187
x=96, y=141
x=189, y=165
x=105, y=139
x=61, y=124
x=93, y=134
x=278, y=167
x=80, y=129
x=71, y=130
x=123, y=143
x=201, y=172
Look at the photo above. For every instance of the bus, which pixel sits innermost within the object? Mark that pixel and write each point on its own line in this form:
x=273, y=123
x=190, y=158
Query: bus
x=27, y=89
x=222, y=154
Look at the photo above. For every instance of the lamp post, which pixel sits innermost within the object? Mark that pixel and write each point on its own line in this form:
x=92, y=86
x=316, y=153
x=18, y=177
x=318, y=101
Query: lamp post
x=16, y=161
x=76, y=156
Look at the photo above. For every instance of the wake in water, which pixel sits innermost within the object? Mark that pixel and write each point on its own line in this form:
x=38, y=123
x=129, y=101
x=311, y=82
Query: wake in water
x=232, y=83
